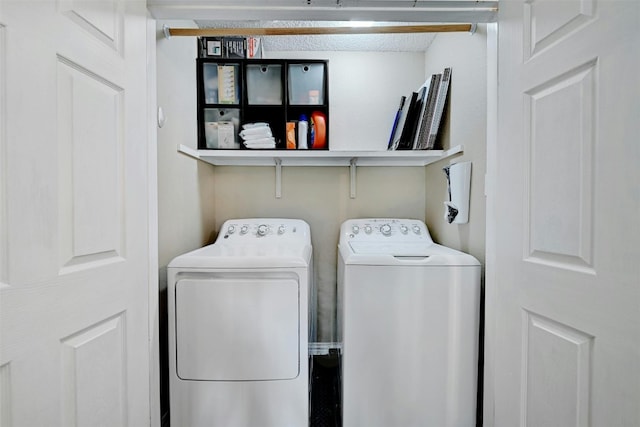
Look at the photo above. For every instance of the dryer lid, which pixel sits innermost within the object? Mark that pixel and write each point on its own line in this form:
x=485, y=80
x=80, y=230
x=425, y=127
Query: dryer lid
x=245, y=256
x=254, y=243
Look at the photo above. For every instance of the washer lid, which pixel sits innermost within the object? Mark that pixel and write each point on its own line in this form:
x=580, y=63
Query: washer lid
x=390, y=248
x=390, y=254
x=395, y=241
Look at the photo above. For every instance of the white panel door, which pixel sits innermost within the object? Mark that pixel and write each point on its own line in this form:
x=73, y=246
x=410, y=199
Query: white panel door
x=74, y=223
x=563, y=293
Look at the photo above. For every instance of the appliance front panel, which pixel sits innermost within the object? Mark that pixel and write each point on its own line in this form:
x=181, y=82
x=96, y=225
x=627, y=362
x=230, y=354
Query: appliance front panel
x=237, y=328
x=410, y=344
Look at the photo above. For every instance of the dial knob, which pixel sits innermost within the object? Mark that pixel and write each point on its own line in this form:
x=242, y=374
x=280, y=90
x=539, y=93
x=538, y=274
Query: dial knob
x=416, y=229
x=385, y=229
x=263, y=229
x=282, y=229
x=231, y=229
x=404, y=229
x=368, y=229
x=244, y=229
x=355, y=229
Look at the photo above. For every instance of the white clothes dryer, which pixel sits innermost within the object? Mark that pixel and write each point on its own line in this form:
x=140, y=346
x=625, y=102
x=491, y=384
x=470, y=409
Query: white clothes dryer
x=239, y=327
x=408, y=319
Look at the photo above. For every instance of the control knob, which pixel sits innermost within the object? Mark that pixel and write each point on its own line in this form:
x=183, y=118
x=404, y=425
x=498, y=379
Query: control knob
x=416, y=229
x=355, y=229
x=385, y=229
x=404, y=229
x=231, y=229
x=244, y=229
x=368, y=229
x=263, y=229
x=281, y=229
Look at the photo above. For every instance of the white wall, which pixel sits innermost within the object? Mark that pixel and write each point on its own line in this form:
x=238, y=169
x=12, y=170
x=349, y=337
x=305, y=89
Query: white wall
x=465, y=124
x=364, y=92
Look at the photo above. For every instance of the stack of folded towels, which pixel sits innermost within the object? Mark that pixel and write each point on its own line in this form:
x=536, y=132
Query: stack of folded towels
x=257, y=135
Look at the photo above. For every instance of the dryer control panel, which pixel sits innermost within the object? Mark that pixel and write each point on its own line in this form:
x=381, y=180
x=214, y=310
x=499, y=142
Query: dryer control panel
x=241, y=230
x=385, y=230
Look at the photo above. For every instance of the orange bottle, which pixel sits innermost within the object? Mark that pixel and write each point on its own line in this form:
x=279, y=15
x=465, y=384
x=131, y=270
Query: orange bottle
x=291, y=135
x=319, y=132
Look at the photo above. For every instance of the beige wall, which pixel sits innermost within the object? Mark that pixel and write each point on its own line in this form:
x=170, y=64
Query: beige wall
x=320, y=196
x=466, y=124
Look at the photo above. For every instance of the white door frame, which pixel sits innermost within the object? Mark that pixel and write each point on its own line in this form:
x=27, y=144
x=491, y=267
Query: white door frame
x=491, y=219
x=154, y=314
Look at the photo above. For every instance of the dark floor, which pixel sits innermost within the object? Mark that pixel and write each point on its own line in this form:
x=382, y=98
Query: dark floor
x=325, y=391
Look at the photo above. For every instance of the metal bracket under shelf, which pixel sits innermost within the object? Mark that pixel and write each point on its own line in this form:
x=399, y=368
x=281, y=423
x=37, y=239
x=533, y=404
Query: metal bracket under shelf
x=352, y=178
x=278, y=178
x=353, y=159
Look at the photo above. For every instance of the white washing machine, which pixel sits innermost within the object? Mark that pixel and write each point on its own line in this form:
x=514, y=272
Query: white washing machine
x=239, y=327
x=408, y=319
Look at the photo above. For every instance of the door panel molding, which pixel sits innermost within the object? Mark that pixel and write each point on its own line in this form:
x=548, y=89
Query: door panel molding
x=560, y=164
x=91, y=147
x=545, y=25
x=94, y=374
x=104, y=20
x=556, y=373
x=5, y=395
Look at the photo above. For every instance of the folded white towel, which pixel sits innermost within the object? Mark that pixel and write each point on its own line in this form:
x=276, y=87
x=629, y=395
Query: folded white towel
x=255, y=125
x=253, y=147
x=256, y=133
x=261, y=141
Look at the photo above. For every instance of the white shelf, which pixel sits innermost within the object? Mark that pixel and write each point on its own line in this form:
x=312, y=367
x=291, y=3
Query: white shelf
x=319, y=158
x=279, y=158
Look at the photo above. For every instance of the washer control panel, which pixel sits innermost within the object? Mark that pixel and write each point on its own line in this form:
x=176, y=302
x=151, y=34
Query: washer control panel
x=263, y=228
x=385, y=230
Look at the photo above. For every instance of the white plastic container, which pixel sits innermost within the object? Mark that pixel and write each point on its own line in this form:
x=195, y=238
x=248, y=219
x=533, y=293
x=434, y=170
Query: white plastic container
x=303, y=132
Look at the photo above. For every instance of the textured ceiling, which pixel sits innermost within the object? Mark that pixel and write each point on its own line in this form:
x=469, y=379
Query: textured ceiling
x=359, y=42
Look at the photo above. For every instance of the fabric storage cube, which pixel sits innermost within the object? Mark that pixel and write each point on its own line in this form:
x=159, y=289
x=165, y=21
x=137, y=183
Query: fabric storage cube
x=306, y=83
x=264, y=84
x=221, y=127
x=221, y=83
